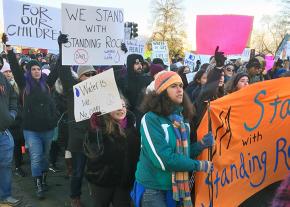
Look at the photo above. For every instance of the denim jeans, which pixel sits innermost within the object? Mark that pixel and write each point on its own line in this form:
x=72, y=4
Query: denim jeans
x=39, y=145
x=154, y=198
x=78, y=168
x=109, y=196
x=6, y=157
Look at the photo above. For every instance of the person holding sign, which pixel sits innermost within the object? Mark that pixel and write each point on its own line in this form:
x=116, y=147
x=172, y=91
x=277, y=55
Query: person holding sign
x=166, y=156
x=39, y=116
x=77, y=130
x=112, y=148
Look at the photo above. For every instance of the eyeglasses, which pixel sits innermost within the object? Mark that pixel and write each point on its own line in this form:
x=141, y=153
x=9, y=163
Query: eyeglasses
x=229, y=69
x=89, y=74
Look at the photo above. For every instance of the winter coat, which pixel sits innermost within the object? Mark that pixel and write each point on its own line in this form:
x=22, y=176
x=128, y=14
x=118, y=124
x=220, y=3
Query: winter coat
x=116, y=165
x=157, y=158
x=8, y=104
x=39, y=112
x=77, y=130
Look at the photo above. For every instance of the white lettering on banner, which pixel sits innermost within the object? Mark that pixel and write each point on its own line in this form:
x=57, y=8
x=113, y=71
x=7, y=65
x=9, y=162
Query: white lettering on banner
x=160, y=50
x=96, y=94
x=31, y=25
x=95, y=31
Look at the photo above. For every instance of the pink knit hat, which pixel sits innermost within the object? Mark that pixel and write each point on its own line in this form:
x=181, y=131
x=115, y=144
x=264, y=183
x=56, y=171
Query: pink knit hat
x=6, y=67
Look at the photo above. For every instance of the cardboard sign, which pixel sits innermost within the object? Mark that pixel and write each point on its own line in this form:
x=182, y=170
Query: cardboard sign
x=95, y=35
x=135, y=47
x=229, y=32
x=96, y=94
x=252, y=143
x=31, y=25
x=160, y=50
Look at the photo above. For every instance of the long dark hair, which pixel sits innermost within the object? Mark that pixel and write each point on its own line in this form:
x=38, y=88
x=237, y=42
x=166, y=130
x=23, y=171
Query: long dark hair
x=163, y=106
x=32, y=83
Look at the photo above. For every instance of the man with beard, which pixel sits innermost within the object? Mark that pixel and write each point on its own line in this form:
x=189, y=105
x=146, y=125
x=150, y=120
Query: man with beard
x=137, y=83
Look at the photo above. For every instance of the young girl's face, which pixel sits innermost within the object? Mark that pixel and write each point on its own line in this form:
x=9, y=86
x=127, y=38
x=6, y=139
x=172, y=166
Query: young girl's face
x=175, y=93
x=36, y=72
x=120, y=114
x=203, y=79
x=243, y=82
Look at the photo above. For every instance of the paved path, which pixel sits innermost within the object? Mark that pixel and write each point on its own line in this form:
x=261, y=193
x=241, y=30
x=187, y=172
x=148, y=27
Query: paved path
x=57, y=195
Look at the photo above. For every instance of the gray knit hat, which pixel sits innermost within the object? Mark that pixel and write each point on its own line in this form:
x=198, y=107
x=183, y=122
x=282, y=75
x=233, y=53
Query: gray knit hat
x=84, y=69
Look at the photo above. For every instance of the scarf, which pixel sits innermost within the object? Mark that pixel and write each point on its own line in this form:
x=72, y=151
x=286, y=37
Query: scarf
x=180, y=180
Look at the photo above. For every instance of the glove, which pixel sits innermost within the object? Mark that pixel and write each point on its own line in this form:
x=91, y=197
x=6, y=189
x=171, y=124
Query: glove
x=219, y=57
x=124, y=48
x=62, y=39
x=4, y=38
x=207, y=140
x=206, y=166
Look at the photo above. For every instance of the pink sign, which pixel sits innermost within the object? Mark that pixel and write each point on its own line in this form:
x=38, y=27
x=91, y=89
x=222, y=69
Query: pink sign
x=230, y=32
x=269, y=62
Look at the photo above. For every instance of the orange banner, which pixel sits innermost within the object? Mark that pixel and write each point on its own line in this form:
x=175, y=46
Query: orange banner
x=251, y=129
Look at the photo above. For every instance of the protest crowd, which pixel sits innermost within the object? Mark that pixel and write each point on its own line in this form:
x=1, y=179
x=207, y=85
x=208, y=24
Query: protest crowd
x=142, y=154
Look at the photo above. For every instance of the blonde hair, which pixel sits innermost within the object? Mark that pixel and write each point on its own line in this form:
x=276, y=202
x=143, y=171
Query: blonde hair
x=111, y=125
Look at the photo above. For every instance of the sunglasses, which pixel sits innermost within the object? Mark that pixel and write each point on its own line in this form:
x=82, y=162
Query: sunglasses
x=89, y=74
x=229, y=69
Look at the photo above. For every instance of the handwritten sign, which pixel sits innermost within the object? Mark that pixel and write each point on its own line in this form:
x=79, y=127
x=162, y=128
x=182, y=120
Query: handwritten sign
x=160, y=50
x=135, y=47
x=252, y=143
x=96, y=94
x=31, y=25
x=95, y=35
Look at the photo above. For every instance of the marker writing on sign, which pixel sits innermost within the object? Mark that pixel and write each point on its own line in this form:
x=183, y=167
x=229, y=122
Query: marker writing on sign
x=35, y=22
x=280, y=107
x=252, y=167
x=102, y=15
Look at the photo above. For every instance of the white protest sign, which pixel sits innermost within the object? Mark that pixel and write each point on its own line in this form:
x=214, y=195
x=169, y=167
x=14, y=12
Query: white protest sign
x=95, y=35
x=96, y=94
x=31, y=25
x=160, y=50
x=189, y=60
x=135, y=47
x=245, y=56
x=286, y=51
x=190, y=76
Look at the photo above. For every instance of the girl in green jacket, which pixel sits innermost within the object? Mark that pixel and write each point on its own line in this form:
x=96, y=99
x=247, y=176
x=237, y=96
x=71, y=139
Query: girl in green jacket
x=166, y=156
